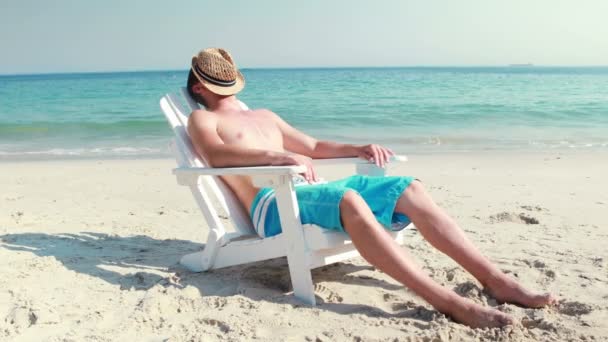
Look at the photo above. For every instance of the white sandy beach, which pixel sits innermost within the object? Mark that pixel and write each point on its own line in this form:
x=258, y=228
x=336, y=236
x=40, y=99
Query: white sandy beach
x=89, y=250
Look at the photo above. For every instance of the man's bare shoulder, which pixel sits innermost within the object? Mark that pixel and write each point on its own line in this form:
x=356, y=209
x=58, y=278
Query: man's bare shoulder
x=267, y=113
x=201, y=116
x=206, y=117
x=202, y=112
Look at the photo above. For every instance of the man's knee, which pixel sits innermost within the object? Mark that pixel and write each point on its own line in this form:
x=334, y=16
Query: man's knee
x=354, y=212
x=414, y=189
x=412, y=198
x=353, y=206
x=351, y=201
x=415, y=201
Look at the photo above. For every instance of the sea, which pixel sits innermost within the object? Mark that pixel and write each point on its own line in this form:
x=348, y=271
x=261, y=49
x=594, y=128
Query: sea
x=413, y=110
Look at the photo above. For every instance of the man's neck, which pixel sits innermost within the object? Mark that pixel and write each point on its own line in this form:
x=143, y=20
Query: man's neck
x=224, y=104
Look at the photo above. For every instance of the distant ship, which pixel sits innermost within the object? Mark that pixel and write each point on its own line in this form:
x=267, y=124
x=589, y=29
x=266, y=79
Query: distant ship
x=521, y=65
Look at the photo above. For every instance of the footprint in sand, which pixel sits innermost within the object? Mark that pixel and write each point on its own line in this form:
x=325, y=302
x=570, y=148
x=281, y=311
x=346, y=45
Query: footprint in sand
x=25, y=315
x=549, y=274
x=223, y=327
x=399, y=305
x=541, y=266
x=469, y=290
x=21, y=317
x=139, y=281
x=450, y=274
x=412, y=310
x=215, y=302
x=389, y=297
x=538, y=264
x=598, y=262
x=533, y=208
x=328, y=295
x=269, y=277
x=513, y=217
x=534, y=263
x=539, y=324
x=574, y=308
x=246, y=304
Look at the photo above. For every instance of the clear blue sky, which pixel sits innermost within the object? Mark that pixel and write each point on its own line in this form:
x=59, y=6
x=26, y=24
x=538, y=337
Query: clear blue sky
x=79, y=35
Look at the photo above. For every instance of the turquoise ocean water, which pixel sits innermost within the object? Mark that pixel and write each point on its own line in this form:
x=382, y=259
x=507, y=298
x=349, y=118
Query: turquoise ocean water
x=412, y=110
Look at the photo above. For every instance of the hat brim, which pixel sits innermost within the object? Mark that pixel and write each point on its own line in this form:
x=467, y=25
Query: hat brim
x=222, y=90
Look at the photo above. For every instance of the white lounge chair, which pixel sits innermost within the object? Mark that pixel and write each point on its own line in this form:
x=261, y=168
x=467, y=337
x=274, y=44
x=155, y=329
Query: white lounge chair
x=305, y=246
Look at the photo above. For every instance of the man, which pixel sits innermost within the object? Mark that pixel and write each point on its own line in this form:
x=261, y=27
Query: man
x=363, y=207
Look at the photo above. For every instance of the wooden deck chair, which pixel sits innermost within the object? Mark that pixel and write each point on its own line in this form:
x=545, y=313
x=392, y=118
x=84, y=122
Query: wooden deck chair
x=305, y=246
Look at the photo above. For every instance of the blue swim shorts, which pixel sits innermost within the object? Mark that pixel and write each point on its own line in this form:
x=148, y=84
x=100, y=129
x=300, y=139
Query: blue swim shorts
x=320, y=203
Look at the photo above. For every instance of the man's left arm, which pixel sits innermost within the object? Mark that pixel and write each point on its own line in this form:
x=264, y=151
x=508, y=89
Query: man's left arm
x=301, y=143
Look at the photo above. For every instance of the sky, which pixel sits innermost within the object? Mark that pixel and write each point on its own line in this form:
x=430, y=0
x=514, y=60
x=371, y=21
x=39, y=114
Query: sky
x=48, y=36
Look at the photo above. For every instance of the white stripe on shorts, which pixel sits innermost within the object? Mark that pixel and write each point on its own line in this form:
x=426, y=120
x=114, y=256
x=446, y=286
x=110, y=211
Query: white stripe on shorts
x=262, y=222
x=258, y=209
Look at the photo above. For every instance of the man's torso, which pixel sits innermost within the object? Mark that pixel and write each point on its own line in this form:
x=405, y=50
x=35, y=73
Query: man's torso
x=254, y=129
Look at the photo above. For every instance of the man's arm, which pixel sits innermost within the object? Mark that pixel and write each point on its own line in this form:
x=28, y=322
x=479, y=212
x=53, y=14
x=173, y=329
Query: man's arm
x=298, y=142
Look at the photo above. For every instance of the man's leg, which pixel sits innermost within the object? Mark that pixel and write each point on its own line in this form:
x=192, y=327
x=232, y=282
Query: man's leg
x=379, y=249
x=444, y=234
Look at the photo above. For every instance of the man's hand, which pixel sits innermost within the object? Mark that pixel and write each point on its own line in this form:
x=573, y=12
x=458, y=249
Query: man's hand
x=376, y=154
x=297, y=159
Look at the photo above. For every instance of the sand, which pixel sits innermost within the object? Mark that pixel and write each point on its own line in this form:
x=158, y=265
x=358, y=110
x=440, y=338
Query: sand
x=89, y=250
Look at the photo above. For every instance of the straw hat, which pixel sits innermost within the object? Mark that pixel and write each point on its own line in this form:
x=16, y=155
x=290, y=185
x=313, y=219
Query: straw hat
x=217, y=72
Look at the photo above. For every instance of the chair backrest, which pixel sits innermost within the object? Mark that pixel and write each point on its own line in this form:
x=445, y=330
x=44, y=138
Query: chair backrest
x=186, y=156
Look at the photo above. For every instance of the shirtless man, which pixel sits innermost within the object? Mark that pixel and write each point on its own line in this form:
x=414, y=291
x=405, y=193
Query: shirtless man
x=229, y=136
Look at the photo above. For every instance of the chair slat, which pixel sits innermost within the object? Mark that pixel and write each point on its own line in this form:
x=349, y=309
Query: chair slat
x=182, y=139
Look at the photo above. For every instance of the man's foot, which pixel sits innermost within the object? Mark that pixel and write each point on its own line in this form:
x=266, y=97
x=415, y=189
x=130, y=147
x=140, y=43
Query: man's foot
x=507, y=290
x=477, y=316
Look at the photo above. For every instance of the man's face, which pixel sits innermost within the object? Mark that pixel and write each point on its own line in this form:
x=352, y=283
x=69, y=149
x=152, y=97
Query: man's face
x=202, y=91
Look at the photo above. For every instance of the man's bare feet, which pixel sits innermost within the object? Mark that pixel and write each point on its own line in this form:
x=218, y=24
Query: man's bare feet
x=508, y=290
x=476, y=316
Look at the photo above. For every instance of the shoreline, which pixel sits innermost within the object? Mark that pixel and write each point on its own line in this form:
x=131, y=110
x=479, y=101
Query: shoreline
x=436, y=153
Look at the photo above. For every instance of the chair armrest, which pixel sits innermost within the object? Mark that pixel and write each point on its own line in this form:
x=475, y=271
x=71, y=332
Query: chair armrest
x=247, y=171
x=353, y=161
x=271, y=175
x=262, y=175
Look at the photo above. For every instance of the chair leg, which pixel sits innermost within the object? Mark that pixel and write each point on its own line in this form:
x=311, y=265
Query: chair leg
x=203, y=260
x=193, y=262
x=298, y=256
x=301, y=280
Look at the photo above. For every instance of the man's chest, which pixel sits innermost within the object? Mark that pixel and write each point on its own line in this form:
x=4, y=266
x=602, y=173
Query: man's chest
x=252, y=131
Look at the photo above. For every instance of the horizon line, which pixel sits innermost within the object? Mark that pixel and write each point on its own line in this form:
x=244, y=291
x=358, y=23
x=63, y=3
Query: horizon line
x=118, y=71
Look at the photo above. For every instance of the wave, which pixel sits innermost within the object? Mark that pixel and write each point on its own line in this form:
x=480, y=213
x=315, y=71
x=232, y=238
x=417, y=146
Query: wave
x=407, y=145
x=53, y=128
x=96, y=152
